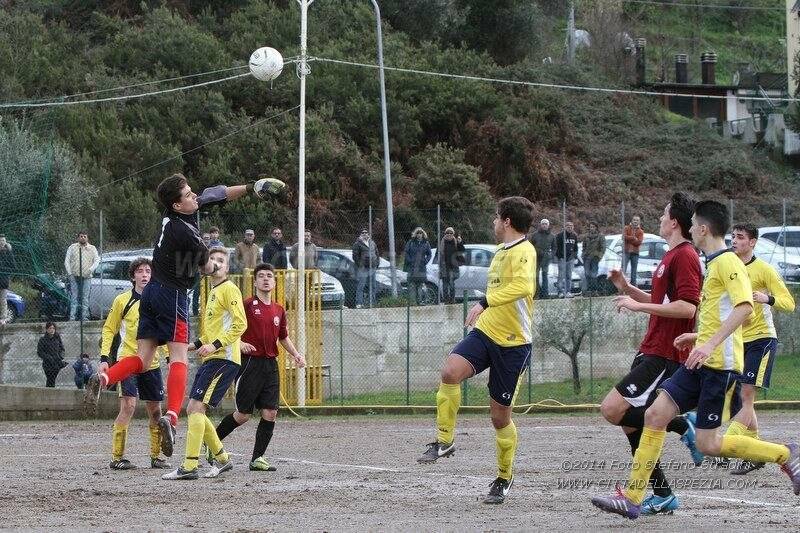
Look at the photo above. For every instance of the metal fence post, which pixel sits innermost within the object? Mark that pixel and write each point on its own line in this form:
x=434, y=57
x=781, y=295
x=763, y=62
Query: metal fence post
x=341, y=356
x=408, y=351
x=101, y=256
x=465, y=330
x=369, y=279
x=438, y=241
x=591, y=350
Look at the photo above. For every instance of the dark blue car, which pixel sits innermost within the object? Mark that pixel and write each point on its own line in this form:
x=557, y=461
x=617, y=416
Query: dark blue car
x=16, y=306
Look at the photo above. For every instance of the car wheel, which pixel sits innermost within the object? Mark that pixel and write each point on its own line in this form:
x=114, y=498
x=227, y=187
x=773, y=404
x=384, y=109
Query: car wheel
x=604, y=286
x=430, y=294
x=12, y=314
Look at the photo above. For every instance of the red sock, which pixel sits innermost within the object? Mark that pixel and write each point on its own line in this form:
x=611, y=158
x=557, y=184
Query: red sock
x=176, y=389
x=123, y=369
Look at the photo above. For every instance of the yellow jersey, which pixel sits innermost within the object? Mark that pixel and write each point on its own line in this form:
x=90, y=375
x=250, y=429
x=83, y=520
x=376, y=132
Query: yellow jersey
x=225, y=322
x=726, y=285
x=764, y=278
x=510, y=287
x=123, y=318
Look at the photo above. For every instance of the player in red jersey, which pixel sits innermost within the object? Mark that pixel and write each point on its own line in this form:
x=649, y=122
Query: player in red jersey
x=258, y=383
x=671, y=304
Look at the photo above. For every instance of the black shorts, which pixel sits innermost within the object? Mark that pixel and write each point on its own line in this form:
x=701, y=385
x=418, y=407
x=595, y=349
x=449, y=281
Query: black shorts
x=212, y=381
x=715, y=394
x=148, y=386
x=258, y=384
x=758, y=358
x=163, y=314
x=647, y=373
x=506, y=364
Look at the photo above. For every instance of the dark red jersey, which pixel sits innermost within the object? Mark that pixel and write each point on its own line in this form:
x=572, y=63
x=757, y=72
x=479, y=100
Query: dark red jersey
x=266, y=324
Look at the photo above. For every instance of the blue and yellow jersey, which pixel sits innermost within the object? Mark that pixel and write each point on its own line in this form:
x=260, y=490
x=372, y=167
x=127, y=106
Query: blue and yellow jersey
x=123, y=318
x=764, y=278
x=726, y=285
x=511, y=284
x=225, y=322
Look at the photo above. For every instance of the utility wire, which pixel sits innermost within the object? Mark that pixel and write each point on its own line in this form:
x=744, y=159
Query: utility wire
x=710, y=6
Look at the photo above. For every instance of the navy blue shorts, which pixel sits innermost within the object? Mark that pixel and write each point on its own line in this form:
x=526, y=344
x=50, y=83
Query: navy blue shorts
x=714, y=393
x=506, y=365
x=163, y=314
x=148, y=386
x=212, y=381
x=758, y=358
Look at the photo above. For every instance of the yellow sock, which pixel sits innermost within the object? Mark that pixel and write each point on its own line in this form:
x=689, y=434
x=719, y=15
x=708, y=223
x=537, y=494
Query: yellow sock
x=448, y=400
x=155, y=442
x=736, y=428
x=506, y=448
x=119, y=438
x=753, y=449
x=212, y=441
x=752, y=433
x=643, y=463
x=194, y=438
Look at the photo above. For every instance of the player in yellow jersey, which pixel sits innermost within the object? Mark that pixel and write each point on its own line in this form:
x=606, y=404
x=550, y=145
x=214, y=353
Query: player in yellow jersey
x=219, y=349
x=709, y=373
x=123, y=319
x=500, y=341
x=758, y=333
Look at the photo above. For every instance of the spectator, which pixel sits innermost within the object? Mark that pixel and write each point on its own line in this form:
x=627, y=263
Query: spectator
x=83, y=370
x=275, y=250
x=566, y=252
x=311, y=252
x=80, y=262
x=6, y=267
x=213, y=233
x=545, y=244
x=207, y=239
x=51, y=352
x=247, y=251
x=415, y=264
x=367, y=260
x=633, y=240
x=594, y=246
x=451, y=257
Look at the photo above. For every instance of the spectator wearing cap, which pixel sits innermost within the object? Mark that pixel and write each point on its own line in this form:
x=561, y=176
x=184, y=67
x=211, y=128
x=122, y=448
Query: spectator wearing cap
x=451, y=257
x=213, y=233
x=247, y=251
x=275, y=250
x=366, y=259
x=311, y=252
x=545, y=244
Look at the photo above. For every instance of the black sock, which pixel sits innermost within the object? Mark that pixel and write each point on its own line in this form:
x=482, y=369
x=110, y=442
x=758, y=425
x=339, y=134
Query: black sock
x=633, y=438
x=263, y=436
x=633, y=417
x=678, y=425
x=658, y=481
x=227, y=425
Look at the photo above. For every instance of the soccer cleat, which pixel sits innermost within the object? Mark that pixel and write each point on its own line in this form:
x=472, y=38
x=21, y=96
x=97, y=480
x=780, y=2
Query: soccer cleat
x=157, y=462
x=121, y=464
x=659, y=504
x=498, y=490
x=792, y=467
x=180, y=473
x=93, y=387
x=218, y=468
x=619, y=504
x=167, y=435
x=435, y=451
x=690, y=439
x=265, y=187
x=261, y=465
x=745, y=467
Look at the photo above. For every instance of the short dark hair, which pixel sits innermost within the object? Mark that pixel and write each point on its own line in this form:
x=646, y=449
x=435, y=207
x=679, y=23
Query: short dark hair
x=169, y=190
x=263, y=266
x=48, y=324
x=681, y=207
x=519, y=210
x=715, y=215
x=136, y=263
x=751, y=230
x=213, y=229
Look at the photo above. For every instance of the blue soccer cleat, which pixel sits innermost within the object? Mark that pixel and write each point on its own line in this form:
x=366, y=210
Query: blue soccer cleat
x=660, y=504
x=690, y=439
x=618, y=504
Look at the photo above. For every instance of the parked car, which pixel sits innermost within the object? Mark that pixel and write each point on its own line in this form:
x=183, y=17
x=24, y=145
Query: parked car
x=651, y=252
x=786, y=263
x=333, y=296
x=784, y=236
x=16, y=306
x=338, y=262
x=473, y=273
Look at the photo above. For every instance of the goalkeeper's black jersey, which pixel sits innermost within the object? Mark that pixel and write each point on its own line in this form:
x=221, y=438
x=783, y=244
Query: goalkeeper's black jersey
x=179, y=250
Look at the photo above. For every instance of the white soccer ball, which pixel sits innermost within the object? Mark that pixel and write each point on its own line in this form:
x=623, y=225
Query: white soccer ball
x=266, y=63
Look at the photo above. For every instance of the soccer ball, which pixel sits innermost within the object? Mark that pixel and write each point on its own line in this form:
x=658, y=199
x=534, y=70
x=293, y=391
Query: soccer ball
x=266, y=63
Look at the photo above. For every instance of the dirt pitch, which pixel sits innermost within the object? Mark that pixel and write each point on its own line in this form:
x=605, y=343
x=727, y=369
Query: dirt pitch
x=359, y=473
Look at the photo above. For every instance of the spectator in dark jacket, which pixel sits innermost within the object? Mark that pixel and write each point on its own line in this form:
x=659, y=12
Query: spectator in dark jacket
x=274, y=251
x=367, y=260
x=83, y=370
x=545, y=244
x=451, y=257
x=566, y=243
x=594, y=247
x=415, y=264
x=51, y=352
